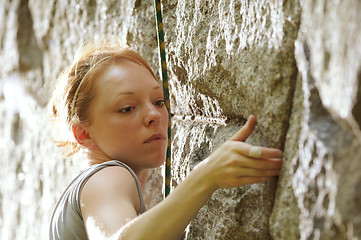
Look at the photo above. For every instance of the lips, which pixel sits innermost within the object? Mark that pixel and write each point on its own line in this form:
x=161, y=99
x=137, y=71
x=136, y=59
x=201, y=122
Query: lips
x=155, y=137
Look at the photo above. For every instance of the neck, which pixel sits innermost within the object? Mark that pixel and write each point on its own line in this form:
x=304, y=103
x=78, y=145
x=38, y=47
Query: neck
x=96, y=157
x=143, y=177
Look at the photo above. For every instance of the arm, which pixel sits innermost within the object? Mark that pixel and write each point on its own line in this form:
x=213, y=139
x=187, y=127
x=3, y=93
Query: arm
x=229, y=166
x=108, y=201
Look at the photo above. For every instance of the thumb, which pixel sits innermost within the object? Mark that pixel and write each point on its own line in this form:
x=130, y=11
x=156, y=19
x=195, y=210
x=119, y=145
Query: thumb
x=245, y=131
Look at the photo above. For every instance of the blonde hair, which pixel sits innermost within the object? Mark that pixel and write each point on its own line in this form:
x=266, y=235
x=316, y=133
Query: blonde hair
x=76, y=85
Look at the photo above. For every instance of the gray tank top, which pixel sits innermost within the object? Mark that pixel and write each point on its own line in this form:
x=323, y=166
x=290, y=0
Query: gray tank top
x=66, y=221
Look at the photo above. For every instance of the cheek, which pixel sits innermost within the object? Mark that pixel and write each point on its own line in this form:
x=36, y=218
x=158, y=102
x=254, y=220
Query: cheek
x=112, y=133
x=165, y=114
x=165, y=120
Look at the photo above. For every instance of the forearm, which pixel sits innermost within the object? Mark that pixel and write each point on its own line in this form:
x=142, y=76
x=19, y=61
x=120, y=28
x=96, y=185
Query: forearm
x=168, y=219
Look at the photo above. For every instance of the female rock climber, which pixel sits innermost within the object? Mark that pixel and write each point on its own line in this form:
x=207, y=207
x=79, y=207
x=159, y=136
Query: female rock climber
x=115, y=109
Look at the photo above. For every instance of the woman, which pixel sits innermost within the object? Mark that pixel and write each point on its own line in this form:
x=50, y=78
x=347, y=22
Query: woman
x=115, y=109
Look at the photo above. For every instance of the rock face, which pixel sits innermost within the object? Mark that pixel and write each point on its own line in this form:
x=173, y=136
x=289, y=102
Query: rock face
x=324, y=168
x=295, y=65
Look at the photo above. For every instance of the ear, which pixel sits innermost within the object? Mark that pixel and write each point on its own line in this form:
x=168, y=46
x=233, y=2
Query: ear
x=82, y=136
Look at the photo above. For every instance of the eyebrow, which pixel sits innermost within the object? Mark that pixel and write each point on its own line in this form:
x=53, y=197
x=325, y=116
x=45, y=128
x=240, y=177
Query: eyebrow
x=126, y=93
x=132, y=93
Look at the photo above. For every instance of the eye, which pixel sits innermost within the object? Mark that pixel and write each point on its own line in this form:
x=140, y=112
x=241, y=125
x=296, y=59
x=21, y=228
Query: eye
x=126, y=109
x=159, y=103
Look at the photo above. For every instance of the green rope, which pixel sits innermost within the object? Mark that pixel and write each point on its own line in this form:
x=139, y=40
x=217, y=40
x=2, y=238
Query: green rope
x=164, y=78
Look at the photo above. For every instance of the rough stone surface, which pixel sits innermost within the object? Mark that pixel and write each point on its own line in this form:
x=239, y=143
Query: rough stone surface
x=296, y=65
x=326, y=176
x=239, y=53
x=228, y=60
x=284, y=221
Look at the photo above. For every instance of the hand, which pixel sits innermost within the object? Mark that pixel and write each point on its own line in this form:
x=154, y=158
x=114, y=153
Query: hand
x=237, y=163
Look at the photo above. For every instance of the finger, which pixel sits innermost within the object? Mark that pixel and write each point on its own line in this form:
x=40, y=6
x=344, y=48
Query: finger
x=246, y=130
x=255, y=152
x=274, y=163
x=251, y=172
x=250, y=180
x=259, y=180
x=265, y=153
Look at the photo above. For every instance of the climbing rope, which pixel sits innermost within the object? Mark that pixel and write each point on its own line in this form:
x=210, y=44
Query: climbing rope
x=164, y=78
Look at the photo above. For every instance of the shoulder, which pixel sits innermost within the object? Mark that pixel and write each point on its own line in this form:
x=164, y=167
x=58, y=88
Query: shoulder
x=109, y=185
x=112, y=177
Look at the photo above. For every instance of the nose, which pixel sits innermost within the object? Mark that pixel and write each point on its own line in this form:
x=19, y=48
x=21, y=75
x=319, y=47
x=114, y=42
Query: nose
x=152, y=115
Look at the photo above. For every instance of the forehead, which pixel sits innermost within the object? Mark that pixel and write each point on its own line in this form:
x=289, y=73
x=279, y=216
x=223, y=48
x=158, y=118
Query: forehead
x=124, y=76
